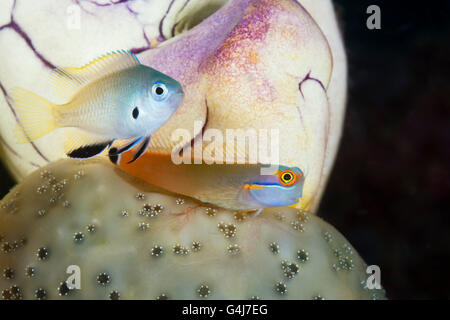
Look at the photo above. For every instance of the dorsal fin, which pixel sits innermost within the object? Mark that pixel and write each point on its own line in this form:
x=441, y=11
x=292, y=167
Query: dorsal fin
x=67, y=81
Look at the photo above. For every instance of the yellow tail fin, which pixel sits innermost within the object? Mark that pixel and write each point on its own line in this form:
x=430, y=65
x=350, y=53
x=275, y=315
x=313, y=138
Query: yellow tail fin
x=35, y=115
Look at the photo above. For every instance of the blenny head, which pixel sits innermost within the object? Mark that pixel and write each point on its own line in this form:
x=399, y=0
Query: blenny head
x=283, y=187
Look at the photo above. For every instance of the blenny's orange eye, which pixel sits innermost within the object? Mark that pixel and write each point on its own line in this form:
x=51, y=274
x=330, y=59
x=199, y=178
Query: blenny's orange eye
x=287, y=177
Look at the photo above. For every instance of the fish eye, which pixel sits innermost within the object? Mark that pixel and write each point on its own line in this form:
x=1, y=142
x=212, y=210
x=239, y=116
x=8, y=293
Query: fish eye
x=135, y=113
x=159, y=91
x=287, y=177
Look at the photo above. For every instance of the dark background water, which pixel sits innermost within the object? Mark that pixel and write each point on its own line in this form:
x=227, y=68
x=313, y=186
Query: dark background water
x=389, y=191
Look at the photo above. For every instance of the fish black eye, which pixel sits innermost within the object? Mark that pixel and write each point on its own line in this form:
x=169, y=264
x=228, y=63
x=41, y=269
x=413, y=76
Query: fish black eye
x=135, y=112
x=159, y=91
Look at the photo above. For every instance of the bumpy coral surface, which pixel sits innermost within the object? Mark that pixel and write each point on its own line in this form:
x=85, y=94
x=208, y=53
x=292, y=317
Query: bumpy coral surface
x=132, y=241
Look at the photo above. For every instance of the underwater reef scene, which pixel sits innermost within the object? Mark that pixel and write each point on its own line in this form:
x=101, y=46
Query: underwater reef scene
x=168, y=206
x=229, y=66
x=250, y=64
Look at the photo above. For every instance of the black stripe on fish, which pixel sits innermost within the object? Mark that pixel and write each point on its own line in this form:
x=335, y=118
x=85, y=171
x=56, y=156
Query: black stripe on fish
x=144, y=146
x=114, y=157
x=89, y=151
x=126, y=148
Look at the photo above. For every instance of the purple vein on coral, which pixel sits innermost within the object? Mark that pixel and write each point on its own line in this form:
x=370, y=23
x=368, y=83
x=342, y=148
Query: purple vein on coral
x=161, y=23
x=200, y=134
x=172, y=32
x=14, y=26
x=184, y=6
x=327, y=134
x=5, y=94
x=78, y=3
x=176, y=24
x=144, y=48
x=161, y=37
x=113, y=3
x=14, y=152
x=27, y=39
x=134, y=13
x=308, y=77
x=129, y=9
